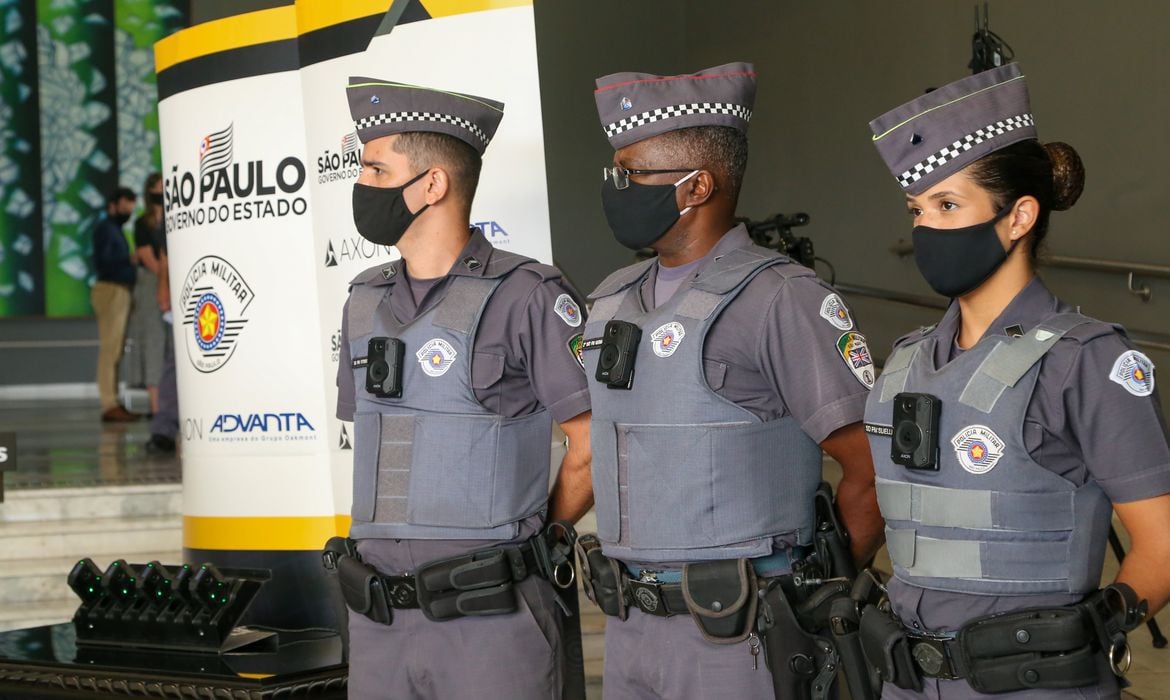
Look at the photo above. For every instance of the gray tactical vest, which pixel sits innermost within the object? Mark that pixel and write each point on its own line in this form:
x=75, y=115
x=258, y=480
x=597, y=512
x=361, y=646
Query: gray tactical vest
x=990, y=520
x=679, y=472
x=436, y=464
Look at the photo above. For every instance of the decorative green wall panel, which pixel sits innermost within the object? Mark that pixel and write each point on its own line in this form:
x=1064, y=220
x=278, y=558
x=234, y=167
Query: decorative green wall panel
x=22, y=290
x=78, y=116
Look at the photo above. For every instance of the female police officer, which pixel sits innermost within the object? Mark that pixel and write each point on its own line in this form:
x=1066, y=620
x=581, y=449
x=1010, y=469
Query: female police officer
x=1004, y=435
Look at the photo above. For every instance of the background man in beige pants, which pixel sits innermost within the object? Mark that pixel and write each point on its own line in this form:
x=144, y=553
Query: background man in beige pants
x=110, y=298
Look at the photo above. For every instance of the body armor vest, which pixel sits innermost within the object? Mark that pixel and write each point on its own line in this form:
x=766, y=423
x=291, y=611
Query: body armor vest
x=990, y=520
x=679, y=472
x=436, y=464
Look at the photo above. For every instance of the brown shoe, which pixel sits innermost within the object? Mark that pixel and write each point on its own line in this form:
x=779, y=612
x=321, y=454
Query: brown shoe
x=118, y=414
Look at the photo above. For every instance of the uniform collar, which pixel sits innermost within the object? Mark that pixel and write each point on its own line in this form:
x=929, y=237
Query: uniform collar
x=734, y=239
x=471, y=262
x=1031, y=305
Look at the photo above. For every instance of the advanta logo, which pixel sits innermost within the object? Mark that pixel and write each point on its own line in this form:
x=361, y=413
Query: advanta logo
x=261, y=427
x=493, y=231
x=231, y=190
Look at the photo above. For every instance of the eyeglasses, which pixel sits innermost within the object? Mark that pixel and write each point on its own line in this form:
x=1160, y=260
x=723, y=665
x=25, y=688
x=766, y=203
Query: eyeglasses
x=621, y=176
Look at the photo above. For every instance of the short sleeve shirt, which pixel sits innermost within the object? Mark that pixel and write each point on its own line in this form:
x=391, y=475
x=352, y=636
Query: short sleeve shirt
x=1071, y=427
x=520, y=331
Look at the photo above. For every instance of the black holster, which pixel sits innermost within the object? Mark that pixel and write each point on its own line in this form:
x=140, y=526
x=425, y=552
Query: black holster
x=797, y=659
x=603, y=578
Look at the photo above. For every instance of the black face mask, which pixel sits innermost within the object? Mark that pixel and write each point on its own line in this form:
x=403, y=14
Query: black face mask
x=381, y=214
x=154, y=197
x=120, y=219
x=641, y=214
x=955, y=261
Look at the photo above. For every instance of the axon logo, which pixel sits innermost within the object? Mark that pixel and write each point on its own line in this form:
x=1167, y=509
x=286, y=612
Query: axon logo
x=351, y=248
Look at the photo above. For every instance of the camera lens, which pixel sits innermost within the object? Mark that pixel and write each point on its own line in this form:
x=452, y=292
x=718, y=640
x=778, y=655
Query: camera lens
x=379, y=371
x=609, y=357
x=907, y=436
x=613, y=330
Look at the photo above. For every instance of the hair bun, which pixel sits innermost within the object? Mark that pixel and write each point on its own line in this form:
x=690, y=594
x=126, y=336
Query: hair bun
x=1068, y=175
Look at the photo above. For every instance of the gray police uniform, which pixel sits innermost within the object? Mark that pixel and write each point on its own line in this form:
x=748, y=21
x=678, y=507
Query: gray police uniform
x=461, y=462
x=712, y=454
x=1018, y=512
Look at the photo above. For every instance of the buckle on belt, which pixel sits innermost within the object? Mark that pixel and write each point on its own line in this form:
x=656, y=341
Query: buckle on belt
x=933, y=656
x=647, y=596
x=401, y=591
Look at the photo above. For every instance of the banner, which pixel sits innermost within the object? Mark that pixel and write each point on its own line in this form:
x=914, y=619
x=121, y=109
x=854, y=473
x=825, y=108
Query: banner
x=259, y=157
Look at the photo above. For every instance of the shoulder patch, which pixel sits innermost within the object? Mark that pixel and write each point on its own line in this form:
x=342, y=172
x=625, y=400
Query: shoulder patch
x=1134, y=372
x=576, y=350
x=568, y=310
x=854, y=350
x=833, y=310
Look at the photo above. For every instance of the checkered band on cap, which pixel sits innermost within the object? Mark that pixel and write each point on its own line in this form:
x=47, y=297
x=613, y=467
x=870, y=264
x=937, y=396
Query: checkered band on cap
x=653, y=115
x=632, y=107
x=397, y=117
x=961, y=146
x=382, y=108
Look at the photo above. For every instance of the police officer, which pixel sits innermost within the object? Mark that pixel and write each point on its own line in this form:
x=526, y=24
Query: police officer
x=456, y=359
x=1005, y=435
x=744, y=366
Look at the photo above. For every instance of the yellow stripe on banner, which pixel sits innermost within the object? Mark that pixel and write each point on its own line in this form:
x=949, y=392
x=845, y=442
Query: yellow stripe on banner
x=291, y=533
x=318, y=14
x=260, y=27
x=446, y=8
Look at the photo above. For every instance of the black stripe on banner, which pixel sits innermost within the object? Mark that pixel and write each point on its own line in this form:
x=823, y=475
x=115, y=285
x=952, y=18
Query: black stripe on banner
x=244, y=62
x=325, y=44
x=338, y=40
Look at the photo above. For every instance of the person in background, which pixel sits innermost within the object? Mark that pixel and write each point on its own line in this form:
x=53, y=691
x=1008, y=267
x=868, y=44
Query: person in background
x=164, y=424
x=110, y=297
x=145, y=332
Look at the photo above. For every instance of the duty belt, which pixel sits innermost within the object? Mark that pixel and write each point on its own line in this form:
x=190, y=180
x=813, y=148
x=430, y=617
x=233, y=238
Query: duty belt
x=475, y=584
x=1031, y=648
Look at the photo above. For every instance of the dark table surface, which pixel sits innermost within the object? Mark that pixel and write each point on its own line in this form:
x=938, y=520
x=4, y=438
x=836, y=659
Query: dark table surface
x=47, y=661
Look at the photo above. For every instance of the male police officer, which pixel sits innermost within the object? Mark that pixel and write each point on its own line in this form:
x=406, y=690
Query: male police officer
x=714, y=371
x=455, y=361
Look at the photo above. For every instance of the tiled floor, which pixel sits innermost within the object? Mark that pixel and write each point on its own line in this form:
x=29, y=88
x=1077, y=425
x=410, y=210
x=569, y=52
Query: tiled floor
x=64, y=444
